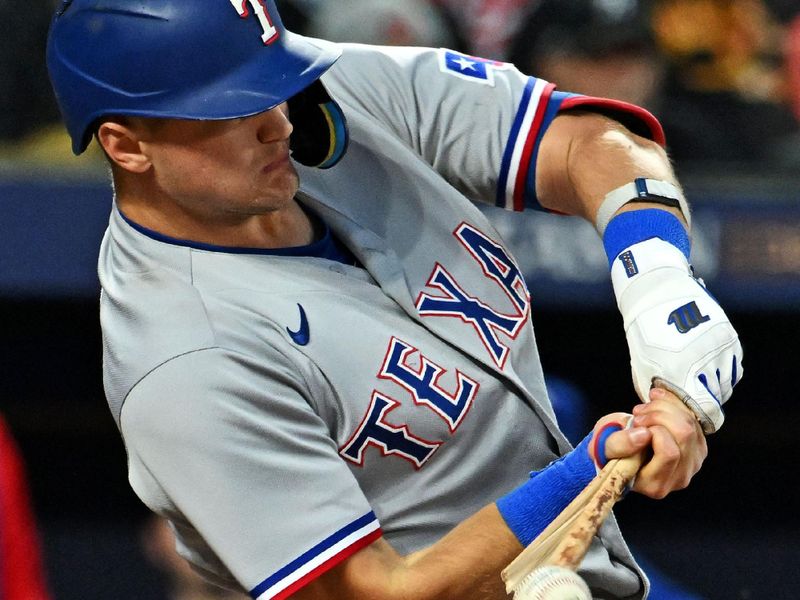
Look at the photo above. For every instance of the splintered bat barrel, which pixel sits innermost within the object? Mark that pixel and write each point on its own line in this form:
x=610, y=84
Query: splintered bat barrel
x=545, y=569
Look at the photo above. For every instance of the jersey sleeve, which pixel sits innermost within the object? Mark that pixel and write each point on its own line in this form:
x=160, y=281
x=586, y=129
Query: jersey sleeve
x=540, y=104
x=231, y=451
x=477, y=122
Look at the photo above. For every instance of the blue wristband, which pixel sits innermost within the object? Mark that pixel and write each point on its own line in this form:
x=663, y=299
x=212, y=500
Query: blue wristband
x=530, y=508
x=629, y=228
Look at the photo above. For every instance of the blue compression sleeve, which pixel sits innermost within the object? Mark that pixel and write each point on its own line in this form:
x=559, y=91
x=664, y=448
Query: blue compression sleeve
x=530, y=508
x=629, y=228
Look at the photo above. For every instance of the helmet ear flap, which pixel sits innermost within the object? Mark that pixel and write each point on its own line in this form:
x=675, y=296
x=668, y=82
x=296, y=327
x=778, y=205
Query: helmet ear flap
x=320, y=134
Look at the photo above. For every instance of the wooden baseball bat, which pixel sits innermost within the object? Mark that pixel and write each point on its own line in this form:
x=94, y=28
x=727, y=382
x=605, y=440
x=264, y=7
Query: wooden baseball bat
x=567, y=538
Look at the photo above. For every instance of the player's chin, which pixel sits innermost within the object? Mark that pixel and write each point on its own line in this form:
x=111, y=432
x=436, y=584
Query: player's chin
x=282, y=180
x=276, y=188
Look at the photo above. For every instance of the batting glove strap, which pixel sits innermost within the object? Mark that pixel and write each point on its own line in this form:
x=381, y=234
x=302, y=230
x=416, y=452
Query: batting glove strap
x=679, y=337
x=641, y=190
x=530, y=508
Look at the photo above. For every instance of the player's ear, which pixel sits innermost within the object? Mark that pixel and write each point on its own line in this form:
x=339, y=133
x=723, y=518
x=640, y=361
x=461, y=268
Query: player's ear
x=122, y=144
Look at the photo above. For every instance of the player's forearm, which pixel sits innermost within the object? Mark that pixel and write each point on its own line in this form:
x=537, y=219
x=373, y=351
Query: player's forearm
x=467, y=562
x=585, y=156
x=591, y=166
x=464, y=565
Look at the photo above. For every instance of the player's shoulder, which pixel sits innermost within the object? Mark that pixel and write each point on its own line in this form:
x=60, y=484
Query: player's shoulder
x=355, y=51
x=145, y=330
x=377, y=61
x=208, y=390
x=394, y=72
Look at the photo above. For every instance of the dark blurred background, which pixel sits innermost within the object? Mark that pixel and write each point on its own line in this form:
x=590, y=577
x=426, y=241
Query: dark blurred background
x=724, y=78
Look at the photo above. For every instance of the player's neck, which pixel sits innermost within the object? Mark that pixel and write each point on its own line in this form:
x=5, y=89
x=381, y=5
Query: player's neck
x=284, y=227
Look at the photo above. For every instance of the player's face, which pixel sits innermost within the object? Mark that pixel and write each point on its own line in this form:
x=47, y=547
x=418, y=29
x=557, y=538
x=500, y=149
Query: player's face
x=224, y=170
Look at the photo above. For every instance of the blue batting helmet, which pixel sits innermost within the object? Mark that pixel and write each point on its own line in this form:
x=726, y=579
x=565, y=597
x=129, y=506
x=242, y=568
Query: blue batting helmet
x=208, y=59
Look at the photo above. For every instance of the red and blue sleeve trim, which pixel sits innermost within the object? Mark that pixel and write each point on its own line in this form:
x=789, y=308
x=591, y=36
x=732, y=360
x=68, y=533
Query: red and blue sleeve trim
x=322, y=557
x=531, y=121
x=540, y=103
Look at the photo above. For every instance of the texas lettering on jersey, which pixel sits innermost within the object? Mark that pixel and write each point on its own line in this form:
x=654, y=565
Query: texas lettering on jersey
x=490, y=324
x=420, y=377
x=422, y=383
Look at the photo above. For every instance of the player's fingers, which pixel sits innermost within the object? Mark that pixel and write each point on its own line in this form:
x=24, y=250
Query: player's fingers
x=657, y=477
x=661, y=399
x=610, y=440
x=668, y=411
x=661, y=477
x=627, y=442
x=617, y=417
x=684, y=428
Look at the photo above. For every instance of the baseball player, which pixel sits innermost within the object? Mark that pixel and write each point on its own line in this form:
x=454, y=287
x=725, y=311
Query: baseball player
x=317, y=349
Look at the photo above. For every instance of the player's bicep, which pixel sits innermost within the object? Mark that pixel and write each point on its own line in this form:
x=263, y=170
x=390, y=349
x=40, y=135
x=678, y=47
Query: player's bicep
x=584, y=154
x=230, y=447
x=554, y=188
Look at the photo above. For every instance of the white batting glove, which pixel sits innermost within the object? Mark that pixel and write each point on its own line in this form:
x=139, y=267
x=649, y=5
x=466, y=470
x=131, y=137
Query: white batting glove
x=679, y=337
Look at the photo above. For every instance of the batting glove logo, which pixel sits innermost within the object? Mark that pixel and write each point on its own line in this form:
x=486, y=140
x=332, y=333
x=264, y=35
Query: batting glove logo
x=687, y=317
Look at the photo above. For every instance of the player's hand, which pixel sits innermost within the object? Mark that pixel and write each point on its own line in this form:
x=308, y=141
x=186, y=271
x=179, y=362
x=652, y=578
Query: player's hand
x=623, y=442
x=677, y=445
x=678, y=335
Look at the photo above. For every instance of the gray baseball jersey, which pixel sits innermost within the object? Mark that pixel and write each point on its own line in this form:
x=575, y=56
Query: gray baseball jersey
x=284, y=410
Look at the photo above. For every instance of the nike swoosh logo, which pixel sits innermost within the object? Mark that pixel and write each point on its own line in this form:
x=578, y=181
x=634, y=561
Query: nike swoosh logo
x=302, y=336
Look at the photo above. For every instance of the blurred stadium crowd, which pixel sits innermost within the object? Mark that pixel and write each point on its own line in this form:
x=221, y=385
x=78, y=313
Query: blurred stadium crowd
x=723, y=76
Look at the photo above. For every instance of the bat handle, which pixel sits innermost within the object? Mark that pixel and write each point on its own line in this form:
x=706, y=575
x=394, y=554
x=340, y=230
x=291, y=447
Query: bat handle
x=616, y=476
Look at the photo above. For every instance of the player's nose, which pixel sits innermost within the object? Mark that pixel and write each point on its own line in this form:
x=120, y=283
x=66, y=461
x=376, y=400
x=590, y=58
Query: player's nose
x=274, y=125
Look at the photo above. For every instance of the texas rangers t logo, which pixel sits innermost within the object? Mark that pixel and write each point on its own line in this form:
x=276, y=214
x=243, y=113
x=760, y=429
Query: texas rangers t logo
x=270, y=31
x=454, y=301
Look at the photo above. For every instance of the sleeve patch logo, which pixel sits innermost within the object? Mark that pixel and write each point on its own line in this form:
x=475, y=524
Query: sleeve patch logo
x=471, y=68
